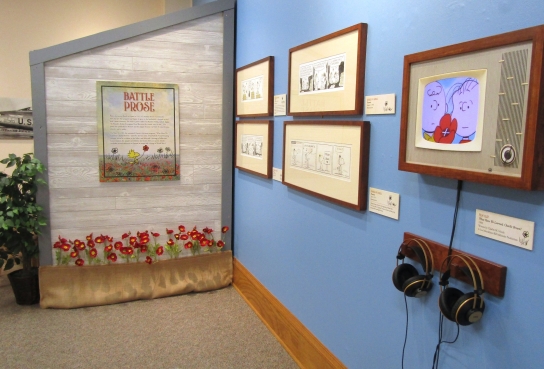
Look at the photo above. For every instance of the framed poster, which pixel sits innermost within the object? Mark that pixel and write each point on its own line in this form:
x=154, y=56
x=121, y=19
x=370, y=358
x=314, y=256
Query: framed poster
x=328, y=159
x=327, y=75
x=16, y=118
x=138, y=131
x=470, y=111
x=254, y=147
x=255, y=89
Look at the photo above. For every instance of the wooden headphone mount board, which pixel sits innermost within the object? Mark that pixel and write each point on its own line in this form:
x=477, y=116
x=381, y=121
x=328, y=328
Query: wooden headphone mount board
x=494, y=275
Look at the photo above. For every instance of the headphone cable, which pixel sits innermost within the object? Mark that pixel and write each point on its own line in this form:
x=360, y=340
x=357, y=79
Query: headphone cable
x=406, y=331
x=436, y=356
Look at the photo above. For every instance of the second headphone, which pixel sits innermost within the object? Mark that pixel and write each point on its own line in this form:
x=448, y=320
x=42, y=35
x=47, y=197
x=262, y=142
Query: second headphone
x=459, y=307
x=406, y=278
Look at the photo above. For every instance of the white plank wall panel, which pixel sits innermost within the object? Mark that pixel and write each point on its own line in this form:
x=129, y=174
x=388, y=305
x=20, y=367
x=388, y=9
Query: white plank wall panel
x=189, y=55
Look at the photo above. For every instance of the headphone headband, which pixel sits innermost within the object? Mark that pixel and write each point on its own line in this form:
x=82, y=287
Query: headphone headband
x=475, y=281
x=422, y=255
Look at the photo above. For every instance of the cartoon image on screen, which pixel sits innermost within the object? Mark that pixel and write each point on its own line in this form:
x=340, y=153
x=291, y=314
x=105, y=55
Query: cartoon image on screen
x=450, y=111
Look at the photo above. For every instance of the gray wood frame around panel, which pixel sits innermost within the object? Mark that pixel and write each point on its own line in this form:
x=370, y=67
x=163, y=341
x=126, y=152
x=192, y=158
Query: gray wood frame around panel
x=38, y=58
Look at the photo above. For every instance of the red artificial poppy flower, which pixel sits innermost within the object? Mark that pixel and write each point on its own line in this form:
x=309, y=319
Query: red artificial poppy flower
x=220, y=244
x=203, y=242
x=148, y=260
x=110, y=239
x=93, y=253
x=90, y=243
x=99, y=239
x=65, y=247
x=445, y=132
x=170, y=242
x=62, y=240
x=78, y=244
x=89, y=237
x=143, y=248
x=145, y=148
x=112, y=257
x=118, y=245
x=224, y=229
x=132, y=240
x=80, y=262
x=169, y=231
x=57, y=245
x=74, y=254
x=184, y=237
x=160, y=250
x=108, y=248
x=125, y=235
x=188, y=245
x=181, y=228
x=194, y=236
x=155, y=234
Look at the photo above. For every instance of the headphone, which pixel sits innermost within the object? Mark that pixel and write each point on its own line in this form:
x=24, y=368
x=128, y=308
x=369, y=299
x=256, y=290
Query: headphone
x=406, y=278
x=459, y=307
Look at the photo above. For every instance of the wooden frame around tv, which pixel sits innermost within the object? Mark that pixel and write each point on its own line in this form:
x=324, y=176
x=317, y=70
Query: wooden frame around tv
x=259, y=166
x=258, y=108
x=351, y=42
x=531, y=153
x=315, y=178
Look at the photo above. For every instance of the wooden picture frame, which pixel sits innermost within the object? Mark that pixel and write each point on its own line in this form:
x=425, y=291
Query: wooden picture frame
x=254, y=90
x=504, y=74
x=328, y=159
x=327, y=75
x=254, y=147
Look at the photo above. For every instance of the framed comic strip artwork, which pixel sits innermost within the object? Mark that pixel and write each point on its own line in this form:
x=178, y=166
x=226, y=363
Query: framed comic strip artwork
x=254, y=147
x=255, y=89
x=328, y=159
x=327, y=75
x=474, y=111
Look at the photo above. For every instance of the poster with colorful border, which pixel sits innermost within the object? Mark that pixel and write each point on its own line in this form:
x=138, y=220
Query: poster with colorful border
x=138, y=131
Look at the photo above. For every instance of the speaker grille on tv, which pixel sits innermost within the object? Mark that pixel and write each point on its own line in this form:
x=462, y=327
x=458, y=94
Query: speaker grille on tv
x=513, y=88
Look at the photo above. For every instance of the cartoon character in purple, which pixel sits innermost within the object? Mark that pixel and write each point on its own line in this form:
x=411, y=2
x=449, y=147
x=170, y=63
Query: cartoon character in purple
x=434, y=108
x=465, y=99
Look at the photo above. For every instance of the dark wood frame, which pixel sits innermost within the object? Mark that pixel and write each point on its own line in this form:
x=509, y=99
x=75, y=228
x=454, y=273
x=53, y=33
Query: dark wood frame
x=361, y=28
x=533, y=154
x=270, y=144
x=494, y=275
x=270, y=76
x=364, y=141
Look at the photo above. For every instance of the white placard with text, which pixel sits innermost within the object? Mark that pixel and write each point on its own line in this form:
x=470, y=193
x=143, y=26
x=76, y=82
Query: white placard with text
x=384, y=203
x=513, y=231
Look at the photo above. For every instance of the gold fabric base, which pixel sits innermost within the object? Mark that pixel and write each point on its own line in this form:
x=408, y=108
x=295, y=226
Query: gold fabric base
x=67, y=287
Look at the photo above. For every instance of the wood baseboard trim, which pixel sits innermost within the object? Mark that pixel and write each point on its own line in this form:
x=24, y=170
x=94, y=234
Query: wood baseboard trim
x=298, y=341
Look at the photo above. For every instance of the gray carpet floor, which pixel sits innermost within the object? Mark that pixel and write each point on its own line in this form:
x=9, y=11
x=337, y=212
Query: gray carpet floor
x=202, y=330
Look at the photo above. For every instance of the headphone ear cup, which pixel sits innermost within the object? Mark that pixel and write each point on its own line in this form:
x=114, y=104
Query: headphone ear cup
x=463, y=311
x=402, y=273
x=412, y=287
x=447, y=300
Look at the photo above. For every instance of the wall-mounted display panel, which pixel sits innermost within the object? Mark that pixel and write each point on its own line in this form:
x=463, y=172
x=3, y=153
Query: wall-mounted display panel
x=327, y=75
x=254, y=147
x=255, y=89
x=473, y=111
x=328, y=159
x=138, y=131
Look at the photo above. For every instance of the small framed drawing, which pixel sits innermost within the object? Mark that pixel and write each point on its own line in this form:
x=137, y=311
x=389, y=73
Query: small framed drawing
x=327, y=75
x=255, y=89
x=471, y=111
x=328, y=159
x=254, y=147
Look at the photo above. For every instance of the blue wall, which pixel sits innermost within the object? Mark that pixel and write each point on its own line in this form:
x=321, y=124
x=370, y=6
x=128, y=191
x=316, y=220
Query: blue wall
x=331, y=266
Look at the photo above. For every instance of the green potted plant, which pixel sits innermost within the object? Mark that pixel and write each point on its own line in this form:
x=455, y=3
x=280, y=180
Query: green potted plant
x=20, y=222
